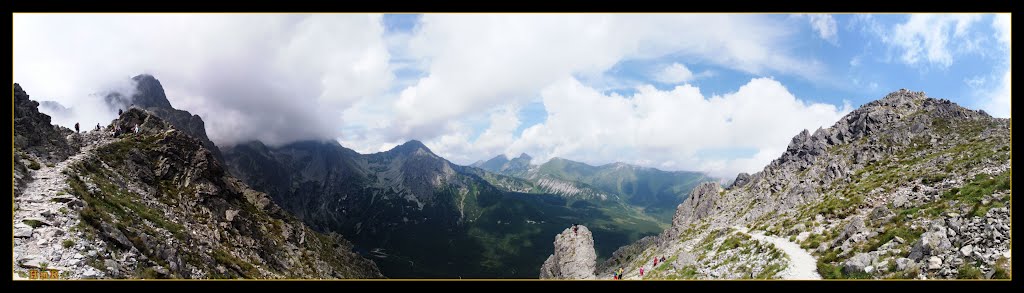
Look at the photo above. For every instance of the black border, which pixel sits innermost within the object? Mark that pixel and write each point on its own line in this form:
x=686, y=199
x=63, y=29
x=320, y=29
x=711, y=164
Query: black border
x=405, y=6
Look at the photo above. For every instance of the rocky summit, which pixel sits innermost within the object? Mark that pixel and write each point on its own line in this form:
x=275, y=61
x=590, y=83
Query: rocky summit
x=905, y=187
x=149, y=95
x=157, y=204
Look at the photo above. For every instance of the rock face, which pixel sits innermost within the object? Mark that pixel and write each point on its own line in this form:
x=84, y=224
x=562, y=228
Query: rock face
x=574, y=256
x=33, y=132
x=697, y=206
x=156, y=204
x=741, y=180
x=149, y=95
x=916, y=183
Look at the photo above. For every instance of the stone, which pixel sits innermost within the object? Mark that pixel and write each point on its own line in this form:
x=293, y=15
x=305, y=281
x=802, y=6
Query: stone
x=857, y=264
x=933, y=242
x=855, y=226
x=31, y=261
x=934, y=263
x=802, y=236
x=230, y=215
x=903, y=263
x=91, y=273
x=22, y=231
x=967, y=250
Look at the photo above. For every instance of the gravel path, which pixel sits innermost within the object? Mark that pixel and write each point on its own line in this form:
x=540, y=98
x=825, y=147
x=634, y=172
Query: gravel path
x=44, y=216
x=802, y=265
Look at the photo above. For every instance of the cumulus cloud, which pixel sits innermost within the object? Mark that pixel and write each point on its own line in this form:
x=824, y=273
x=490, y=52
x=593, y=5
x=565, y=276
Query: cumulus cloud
x=275, y=78
x=672, y=126
x=481, y=61
x=929, y=38
x=677, y=73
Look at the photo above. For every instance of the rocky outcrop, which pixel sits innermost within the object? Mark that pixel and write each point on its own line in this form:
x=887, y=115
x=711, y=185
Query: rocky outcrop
x=33, y=132
x=699, y=205
x=149, y=95
x=741, y=180
x=574, y=256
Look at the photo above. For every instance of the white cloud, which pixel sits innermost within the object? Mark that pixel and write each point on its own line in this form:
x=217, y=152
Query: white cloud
x=276, y=78
x=825, y=26
x=481, y=61
x=928, y=38
x=672, y=126
x=992, y=93
x=676, y=73
x=997, y=101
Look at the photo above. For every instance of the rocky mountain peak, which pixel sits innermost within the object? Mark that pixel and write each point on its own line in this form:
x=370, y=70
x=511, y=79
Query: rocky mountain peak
x=411, y=147
x=149, y=92
x=574, y=256
x=524, y=156
x=149, y=95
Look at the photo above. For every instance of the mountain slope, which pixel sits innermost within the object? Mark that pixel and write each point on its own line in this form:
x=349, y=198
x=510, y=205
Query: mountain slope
x=421, y=216
x=158, y=205
x=654, y=191
x=904, y=187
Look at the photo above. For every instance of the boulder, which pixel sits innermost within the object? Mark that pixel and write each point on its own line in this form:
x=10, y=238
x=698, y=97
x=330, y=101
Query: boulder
x=857, y=264
x=933, y=242
x=934, y=263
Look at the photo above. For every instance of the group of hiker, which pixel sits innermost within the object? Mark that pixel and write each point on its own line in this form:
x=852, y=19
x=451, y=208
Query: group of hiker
x=115, y=130
x=575, y=229
x=617, y=274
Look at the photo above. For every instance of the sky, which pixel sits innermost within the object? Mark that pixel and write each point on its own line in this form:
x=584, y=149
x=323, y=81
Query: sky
x=717, y=93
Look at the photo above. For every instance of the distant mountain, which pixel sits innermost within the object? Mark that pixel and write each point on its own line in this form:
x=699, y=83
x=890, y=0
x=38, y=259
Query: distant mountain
x=519, y=167
x=419, y=215
x=656, y=191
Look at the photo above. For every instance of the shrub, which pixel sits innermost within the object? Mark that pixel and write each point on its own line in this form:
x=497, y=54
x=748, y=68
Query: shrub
x=968, y=271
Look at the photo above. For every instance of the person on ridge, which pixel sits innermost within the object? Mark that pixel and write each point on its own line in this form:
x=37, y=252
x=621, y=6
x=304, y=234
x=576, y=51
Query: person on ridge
x=76, y=128
x=641, y=272
x=655, y=261
x=119, y=112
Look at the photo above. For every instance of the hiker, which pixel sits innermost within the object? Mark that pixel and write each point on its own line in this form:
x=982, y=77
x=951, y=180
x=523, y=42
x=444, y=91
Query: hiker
x=575, y=229
x=76, y=128
x=136, y=129
x=97, y=127
x=119, y=112
x=641, y=272
x=655, y=261
x=615, y=276
x=662, y=259
x=620, y=272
